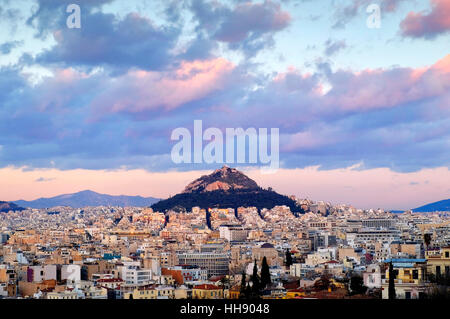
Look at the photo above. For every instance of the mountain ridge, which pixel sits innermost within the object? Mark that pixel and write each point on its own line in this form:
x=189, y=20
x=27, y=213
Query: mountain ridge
x=439, y=206
x=87, y=198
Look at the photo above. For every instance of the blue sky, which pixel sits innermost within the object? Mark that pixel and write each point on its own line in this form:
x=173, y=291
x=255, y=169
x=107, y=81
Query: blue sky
x=108, y=95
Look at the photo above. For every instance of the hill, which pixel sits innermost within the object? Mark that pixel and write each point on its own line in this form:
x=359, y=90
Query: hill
x=88, y=198
x=440, y=206
x=225, y=188
x=6, y=207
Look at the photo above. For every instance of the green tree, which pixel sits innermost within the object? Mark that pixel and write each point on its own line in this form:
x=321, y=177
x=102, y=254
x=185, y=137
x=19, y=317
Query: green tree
x=427, y=239
x=265, y=273
x=288, y=258
x=256, y=285
x=255, y=279
x=243, y=289
x=324, y=282
x=391, y=291
x=224, y=281
x=357, y=285
x=248, y=291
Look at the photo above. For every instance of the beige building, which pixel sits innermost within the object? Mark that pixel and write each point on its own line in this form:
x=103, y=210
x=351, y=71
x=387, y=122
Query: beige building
x=207, y=292
x=438, y=261
x=266, y=250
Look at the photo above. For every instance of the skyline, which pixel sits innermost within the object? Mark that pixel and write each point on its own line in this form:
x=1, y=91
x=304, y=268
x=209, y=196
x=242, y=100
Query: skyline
x=162, y=185
x=363, y=113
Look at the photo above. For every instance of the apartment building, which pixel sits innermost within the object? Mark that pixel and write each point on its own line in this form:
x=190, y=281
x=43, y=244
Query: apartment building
x=132, y=273
x=215, y=263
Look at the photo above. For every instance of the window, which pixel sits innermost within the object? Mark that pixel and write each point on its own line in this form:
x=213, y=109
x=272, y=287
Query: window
x=407, y=294
x=447, y=254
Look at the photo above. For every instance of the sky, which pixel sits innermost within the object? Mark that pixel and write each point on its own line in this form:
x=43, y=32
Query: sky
x=363, y=113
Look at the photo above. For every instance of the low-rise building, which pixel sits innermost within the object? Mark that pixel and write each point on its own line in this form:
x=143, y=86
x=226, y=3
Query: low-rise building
x=207, y=291
x=410, y=279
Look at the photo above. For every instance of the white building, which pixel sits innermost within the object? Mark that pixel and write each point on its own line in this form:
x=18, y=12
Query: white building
x=233, y=232
x=71, y=273
x=41, y=273
x=132, y=273
x=372, y=276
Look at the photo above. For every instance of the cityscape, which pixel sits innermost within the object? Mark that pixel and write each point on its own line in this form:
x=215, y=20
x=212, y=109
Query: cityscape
x=224, y=157
x=323, y=251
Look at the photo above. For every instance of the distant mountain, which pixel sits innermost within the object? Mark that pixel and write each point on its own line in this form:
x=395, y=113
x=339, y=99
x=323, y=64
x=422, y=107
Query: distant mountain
x=440, y=206
x=225, y=188
x=6, y=207
x=88, y=198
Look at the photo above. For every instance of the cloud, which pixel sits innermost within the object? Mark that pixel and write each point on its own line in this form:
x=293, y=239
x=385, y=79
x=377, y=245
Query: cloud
x=105, y=40
x=382, y=117
x=7, y=47
x=346, y=11
x=372, y=89
x=50, y=15
x=43, y=179
x=142, y=91
x=248, y=26
x=60, y=116
x=333, y=47
x=331, y=118
x=428, y=25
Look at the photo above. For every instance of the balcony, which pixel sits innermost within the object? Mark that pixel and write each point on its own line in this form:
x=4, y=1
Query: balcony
x=403, y=281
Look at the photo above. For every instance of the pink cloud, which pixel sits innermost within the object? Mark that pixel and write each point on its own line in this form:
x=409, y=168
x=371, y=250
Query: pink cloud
x=365, y=90
x=428, y=24
x=140, y=91
x=64, y=83
x=375, y=89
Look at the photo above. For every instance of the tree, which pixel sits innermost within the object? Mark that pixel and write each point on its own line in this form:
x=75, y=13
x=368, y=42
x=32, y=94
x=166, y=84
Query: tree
x=242, y=290
x=288, y=258
x=427, y=239
x=243, y=281
x=224, y=281
x=391, y=291
x=357, y=285
x=255, y=279
x=265, y=273
x=324, y=282
x=248, y=292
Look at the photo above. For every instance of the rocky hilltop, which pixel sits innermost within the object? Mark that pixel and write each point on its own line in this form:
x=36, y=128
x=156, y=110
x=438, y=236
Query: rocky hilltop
x=224, y=179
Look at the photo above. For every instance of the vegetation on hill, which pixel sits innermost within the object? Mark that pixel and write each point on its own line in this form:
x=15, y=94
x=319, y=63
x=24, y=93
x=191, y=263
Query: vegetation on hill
x=259, y=198
x=6, y=207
